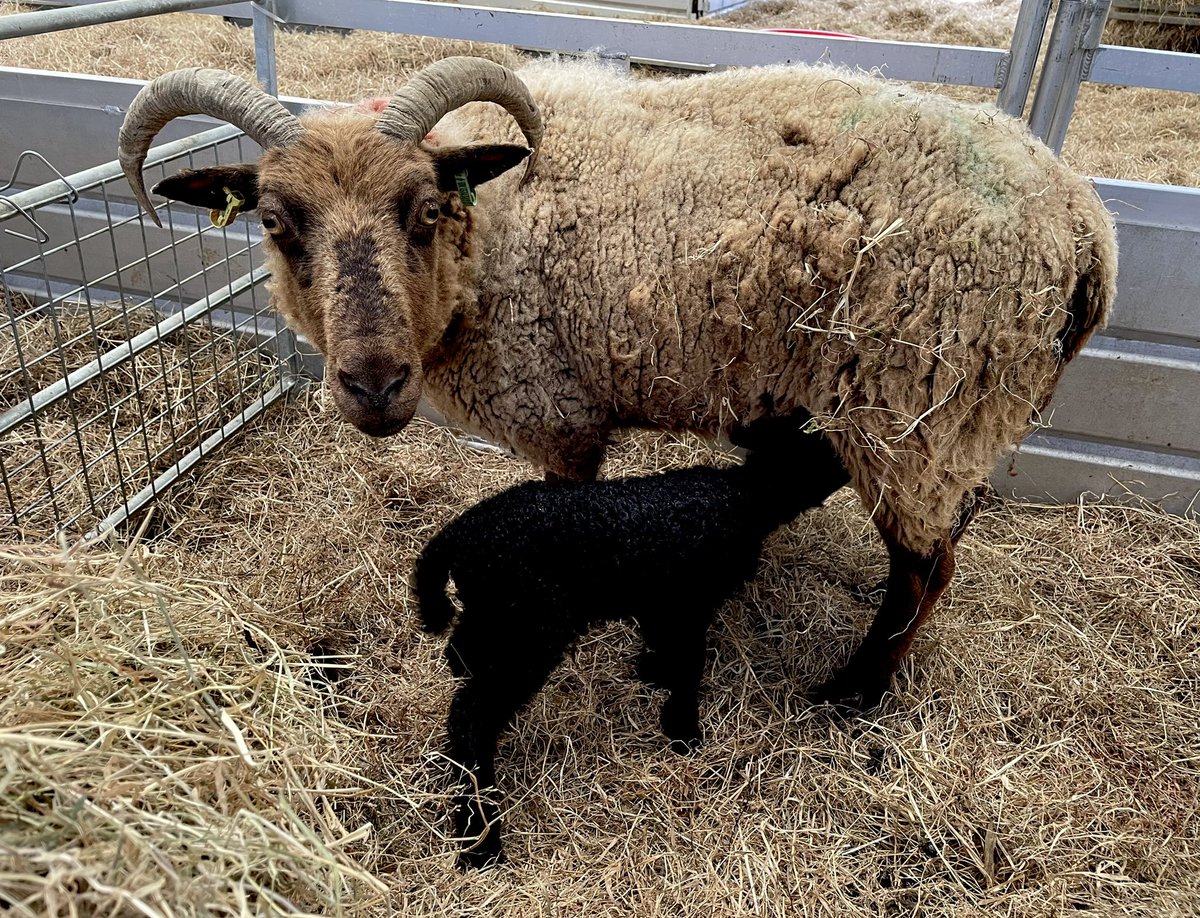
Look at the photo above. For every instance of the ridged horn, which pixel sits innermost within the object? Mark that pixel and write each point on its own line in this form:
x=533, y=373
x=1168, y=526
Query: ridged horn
x=448, y=84
x=198, y=91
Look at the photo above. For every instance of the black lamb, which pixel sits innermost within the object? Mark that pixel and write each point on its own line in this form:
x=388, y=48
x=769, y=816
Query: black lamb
x=541, y=563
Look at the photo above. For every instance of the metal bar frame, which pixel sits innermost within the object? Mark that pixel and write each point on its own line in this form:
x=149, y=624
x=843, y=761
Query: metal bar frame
x=1028, y=33
x=40, y=22
x=187, y=394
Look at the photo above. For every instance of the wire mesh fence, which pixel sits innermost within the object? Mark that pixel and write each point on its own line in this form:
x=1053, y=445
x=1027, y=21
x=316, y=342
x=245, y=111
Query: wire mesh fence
x=127, y=352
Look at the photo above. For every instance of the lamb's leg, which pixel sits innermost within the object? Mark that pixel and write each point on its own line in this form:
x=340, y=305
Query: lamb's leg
x=474, y=725
x=914, y=583
x=483, y=706
x=678, y=656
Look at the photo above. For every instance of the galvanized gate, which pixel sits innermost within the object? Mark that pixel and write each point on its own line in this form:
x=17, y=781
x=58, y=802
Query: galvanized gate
x=128, y=351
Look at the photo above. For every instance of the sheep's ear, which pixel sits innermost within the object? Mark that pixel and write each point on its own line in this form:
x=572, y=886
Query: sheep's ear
x=481, y=162
x=206, y=187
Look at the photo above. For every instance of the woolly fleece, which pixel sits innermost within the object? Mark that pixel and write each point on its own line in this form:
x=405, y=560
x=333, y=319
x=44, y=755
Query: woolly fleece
x=696, y=252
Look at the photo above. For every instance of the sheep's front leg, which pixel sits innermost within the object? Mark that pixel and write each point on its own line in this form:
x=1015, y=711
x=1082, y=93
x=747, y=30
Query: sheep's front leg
x=915, y=582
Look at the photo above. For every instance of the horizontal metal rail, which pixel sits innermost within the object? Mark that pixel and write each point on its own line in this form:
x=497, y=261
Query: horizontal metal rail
x=52, y=394
x=41, y=21
x=650, y=41
x=98, y=175
x=190, y=458
x=1145, y=67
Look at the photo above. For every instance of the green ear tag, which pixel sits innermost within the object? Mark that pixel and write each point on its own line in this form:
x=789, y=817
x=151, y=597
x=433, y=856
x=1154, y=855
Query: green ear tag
x=464, y=189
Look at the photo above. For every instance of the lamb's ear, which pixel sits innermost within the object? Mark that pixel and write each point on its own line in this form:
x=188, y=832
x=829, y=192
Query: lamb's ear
x=481, y=162
x=206, y=187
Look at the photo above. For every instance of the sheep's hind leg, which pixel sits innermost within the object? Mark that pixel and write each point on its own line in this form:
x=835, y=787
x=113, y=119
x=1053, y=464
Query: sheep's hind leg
x=678, y=666
x=914, y=584
x=476, y=719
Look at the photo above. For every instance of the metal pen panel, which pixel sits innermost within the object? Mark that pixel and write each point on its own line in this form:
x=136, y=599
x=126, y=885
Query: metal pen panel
x=1073, y=40
x=656, y=42
x=114, y=377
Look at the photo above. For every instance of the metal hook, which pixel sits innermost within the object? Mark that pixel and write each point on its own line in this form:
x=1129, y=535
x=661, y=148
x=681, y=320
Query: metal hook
x=43, y=237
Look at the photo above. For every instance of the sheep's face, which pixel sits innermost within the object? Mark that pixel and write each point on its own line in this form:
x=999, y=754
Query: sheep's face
x=363, y=238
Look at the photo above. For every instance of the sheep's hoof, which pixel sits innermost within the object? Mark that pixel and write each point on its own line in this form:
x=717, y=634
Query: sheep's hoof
x=850, y=692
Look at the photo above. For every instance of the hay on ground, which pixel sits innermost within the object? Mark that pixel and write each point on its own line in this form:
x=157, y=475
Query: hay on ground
x=1037, y=759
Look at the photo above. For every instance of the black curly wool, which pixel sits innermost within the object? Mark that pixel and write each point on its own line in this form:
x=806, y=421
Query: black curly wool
x=541, y=563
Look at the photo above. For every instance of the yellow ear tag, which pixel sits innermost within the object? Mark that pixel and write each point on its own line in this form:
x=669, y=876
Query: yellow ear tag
x=233, y=205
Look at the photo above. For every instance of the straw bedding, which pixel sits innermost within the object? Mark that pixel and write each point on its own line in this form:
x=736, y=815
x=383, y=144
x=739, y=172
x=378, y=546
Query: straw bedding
x=233, y=712
x=1039, y=758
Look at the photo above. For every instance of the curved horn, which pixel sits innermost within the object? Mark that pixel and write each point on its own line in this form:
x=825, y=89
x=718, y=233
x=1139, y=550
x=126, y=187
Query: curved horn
x=447, y=84
x=198, y=91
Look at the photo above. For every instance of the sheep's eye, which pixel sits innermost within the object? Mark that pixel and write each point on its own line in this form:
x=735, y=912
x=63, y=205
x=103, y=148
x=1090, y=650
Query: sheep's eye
x=430, y=212
x=271, y=224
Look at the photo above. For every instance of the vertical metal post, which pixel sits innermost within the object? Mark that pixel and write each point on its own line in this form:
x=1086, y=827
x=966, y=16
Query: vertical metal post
x=1028, y=33
x=1073, y=42
x=284, y=339
x=264, y=46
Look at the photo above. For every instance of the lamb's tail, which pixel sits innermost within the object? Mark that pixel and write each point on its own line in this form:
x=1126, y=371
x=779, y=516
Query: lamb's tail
x=430, y=575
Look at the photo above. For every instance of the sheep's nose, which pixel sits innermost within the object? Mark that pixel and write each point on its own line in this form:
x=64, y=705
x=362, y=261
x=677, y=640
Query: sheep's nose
x=374, y=387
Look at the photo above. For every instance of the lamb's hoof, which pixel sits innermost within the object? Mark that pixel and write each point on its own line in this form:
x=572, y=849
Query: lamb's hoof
x=686, y=745
x=481, y=857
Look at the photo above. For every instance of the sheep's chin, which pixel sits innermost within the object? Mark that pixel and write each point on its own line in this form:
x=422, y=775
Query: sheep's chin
x=385, y=427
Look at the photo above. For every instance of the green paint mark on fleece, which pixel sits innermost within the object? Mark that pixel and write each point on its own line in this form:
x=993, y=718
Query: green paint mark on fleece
x=978, y=170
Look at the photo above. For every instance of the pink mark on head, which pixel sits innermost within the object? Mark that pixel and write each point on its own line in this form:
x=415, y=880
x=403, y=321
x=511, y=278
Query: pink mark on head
x=374, y=105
